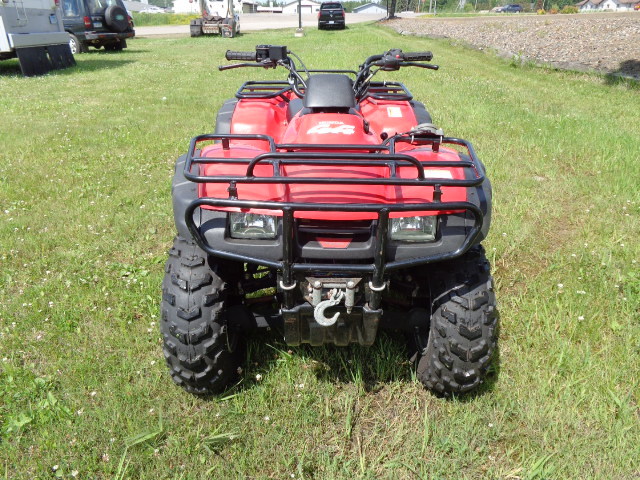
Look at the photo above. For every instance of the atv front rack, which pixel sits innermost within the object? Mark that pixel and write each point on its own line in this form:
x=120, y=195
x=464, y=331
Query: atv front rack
x=361, y=155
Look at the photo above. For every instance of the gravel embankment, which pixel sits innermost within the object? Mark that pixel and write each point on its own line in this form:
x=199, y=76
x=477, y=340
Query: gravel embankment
x=606, y=42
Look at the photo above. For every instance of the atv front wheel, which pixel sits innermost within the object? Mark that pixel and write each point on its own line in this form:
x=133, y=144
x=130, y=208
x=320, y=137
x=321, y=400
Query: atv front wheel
x=202, y=352
x=463, y=330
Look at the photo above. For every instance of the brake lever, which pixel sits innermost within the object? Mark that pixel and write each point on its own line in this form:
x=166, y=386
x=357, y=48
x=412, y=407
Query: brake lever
x=421, y=65
x=265, y=64
x=237, y=65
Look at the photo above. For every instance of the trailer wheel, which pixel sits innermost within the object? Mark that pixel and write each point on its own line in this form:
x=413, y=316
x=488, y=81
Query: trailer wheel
x=202, y=350
x=462, y=335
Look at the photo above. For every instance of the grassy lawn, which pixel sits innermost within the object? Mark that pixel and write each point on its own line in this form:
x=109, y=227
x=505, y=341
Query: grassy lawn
x=85, y=224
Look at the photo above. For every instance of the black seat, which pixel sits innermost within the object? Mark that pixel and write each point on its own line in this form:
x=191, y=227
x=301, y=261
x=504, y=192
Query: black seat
x=329, y=92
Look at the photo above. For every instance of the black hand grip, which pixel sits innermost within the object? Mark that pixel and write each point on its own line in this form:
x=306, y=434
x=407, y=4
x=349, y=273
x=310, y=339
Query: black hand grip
x=417, y=56
x=243, y=56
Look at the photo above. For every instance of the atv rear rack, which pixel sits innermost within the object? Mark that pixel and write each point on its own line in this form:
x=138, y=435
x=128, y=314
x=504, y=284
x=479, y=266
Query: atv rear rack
x=364, y=155
x=256, y=89
x=388, y=91
x=261, y=89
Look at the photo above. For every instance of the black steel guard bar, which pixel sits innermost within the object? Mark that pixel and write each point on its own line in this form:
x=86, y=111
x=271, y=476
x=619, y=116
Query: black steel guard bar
x=331, y=156
x=387, y=91
x=335, y=156
x=379, y=265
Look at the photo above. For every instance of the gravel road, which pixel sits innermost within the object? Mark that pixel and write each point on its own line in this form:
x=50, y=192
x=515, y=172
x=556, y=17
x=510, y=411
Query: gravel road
x=603, y=42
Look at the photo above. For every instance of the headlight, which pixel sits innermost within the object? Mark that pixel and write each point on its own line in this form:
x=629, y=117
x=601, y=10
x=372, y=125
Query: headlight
x=414, y=229
x=252, y=225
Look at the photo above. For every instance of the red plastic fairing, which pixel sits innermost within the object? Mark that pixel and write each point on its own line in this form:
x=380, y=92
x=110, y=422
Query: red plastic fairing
x=266, y=116
x=329, y=128
x=388, y=116
x=330, y=192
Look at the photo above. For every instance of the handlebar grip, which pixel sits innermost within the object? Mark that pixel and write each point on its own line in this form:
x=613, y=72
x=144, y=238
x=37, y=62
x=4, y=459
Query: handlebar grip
x=417, y=56
x=242, y=56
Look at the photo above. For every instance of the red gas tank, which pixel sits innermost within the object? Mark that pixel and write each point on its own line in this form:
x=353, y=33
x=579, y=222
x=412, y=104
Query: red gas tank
x=329, y=128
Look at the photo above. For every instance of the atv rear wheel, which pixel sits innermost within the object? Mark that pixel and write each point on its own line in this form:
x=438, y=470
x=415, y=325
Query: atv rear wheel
x=463, y=330
x=203, y=353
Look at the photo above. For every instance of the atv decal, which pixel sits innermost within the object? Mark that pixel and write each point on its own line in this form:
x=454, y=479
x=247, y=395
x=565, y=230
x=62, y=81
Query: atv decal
x=394, y=112
x=437, y=174
x=332, y=127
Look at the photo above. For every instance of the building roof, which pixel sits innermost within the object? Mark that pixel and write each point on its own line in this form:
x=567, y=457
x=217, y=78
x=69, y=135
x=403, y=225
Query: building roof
x=363, y=7
x=304, y=2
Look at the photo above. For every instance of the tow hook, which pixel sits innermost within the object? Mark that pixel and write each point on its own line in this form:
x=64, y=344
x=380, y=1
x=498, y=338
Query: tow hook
x=335, y=298
x=337, y=291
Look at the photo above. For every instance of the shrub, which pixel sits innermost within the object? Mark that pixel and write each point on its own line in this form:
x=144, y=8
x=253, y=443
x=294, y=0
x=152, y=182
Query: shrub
x=151, y=19
x=541, y=11
x=569, y=9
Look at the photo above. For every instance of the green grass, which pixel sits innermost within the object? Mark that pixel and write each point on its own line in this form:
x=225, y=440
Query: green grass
x=152, y=19
x=86, y=222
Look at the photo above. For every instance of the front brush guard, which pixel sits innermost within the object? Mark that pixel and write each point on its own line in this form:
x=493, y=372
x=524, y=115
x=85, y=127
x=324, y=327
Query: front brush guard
x=335, y=155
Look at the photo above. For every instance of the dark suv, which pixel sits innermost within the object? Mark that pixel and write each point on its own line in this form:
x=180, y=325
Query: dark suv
x=331, y=14
x=512, y=8
x=96, y=23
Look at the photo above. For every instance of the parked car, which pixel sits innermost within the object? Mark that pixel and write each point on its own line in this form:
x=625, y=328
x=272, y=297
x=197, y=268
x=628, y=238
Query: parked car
x=331, y=14
x=97, y=23
x=511, y=8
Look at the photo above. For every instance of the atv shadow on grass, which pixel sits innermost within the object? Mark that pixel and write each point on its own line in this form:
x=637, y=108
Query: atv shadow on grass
x=387, y=361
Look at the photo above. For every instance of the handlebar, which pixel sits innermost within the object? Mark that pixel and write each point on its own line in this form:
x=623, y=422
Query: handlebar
x=242, y=56
x=417, y=56
x=271, y=56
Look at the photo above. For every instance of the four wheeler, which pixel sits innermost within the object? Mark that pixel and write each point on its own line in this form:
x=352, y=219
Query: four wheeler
x=326, y=206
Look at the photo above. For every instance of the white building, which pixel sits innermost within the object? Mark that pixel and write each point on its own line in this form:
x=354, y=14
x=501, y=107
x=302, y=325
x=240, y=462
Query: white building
x=370, y=8
x=307, y=6
x=610, y=5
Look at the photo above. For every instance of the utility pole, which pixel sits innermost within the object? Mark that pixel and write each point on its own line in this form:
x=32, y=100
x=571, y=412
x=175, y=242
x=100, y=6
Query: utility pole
x=299, y=31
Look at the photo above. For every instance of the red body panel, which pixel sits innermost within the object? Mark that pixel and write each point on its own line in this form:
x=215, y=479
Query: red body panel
x=260, y=116
x=388, y=116
x=269, y=116
x=330, y=192
x=329, y=128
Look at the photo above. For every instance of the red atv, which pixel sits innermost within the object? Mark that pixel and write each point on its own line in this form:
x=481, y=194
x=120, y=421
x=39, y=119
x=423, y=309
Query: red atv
x=326, y=206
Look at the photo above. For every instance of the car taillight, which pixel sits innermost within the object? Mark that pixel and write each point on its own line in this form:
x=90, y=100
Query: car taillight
x=342, y=14
x=87, y=23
